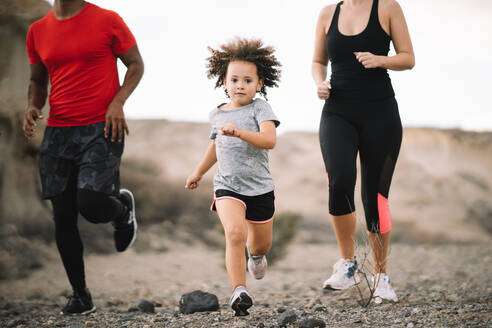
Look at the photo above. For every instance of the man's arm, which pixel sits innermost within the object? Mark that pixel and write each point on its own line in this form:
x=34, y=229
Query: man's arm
x=115, y=118
x=36, y=98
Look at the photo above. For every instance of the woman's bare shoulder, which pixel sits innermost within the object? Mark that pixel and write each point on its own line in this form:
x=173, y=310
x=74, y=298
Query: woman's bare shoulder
x=326, y=15
x=328, y=11
x=389, y=7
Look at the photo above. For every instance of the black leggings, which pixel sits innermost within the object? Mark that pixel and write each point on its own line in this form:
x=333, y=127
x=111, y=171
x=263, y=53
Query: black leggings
x=372, y=129
x=96, y=207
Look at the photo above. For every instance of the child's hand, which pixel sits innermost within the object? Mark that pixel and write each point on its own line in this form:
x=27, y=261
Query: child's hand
x=192, y=181
x=230, y=130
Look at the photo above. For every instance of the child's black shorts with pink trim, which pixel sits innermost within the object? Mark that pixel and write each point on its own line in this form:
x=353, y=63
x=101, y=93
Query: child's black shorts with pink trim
x=259, y=209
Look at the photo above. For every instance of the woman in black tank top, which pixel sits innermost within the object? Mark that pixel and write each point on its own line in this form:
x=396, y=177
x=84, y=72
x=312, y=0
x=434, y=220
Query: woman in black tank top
x=360, y=117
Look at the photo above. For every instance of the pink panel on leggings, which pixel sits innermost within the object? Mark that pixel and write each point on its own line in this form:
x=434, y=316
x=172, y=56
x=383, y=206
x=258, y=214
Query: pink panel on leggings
x=384, y=214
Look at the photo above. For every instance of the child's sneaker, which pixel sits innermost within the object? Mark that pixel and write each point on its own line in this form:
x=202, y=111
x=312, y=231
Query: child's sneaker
x=344, y=275
x=383, y=291
x=241, y=301
x=257, y=265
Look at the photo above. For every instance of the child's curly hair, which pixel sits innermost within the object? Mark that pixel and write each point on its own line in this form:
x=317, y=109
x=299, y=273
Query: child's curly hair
x=241, y=49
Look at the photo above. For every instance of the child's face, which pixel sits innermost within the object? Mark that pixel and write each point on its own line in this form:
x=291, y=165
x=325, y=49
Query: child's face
x=242, y=82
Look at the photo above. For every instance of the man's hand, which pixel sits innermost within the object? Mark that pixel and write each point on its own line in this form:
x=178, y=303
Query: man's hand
x=29, y=126
x=230, y=130
x=115, y=122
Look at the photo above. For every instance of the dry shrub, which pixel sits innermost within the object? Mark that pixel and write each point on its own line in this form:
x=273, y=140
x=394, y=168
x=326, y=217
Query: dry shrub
x=160, y=200
x=18, y=255
x=481, y=212
x=285, y=227
x=284, y=230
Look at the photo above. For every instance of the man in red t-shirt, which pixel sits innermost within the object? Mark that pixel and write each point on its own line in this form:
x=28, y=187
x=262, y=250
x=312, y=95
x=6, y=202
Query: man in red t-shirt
x=76, y=46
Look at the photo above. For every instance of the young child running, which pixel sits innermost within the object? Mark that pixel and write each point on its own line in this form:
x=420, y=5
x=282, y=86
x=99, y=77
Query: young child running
x=242, y=132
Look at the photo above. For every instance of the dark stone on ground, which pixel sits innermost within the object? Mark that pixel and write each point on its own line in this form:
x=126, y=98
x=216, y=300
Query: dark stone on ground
x=146, y=306
x=287, y=317
x=198, y=301
x=133, y=309
x=281, y=310
x=312, y=323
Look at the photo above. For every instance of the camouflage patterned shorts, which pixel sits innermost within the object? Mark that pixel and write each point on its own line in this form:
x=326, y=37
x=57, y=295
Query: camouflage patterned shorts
x=83, y=152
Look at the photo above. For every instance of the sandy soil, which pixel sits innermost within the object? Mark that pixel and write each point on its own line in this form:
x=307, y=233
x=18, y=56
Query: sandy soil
x=447, y=285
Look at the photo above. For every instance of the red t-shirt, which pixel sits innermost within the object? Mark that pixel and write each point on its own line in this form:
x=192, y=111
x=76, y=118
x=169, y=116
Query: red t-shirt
x=79, y=55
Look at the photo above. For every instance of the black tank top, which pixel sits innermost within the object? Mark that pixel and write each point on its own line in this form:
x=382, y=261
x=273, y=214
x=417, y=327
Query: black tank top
x=349, y=79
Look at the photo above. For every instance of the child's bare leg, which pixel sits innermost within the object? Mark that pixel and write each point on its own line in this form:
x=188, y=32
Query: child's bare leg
x=379, y=245
x=259, y=237
x=232, y=215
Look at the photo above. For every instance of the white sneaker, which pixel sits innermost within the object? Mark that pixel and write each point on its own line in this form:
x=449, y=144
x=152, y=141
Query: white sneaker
x=383, y=291
x=344, y=275
x=241, y=301
x=257, y=264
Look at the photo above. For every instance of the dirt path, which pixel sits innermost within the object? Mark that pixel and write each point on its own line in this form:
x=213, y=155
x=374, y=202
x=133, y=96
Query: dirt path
x=439, y=286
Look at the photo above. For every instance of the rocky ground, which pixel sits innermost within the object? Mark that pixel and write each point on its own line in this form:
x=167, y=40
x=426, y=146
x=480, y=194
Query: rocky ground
x=447, y=285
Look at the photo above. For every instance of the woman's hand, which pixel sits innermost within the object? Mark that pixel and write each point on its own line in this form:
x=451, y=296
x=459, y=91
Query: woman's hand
x=324, y=90
x=368, y=60
x=230, y=130
x=193, y=181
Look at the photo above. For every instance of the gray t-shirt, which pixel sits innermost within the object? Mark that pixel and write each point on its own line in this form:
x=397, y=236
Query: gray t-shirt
x=242, y=168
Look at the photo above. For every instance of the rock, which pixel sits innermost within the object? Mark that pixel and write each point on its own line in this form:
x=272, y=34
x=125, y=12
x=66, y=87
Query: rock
x=90, y=323
x=410, y=325
x=287, y=317
x=312, y=323
x=198, y=301
x=15, y=322
x=452, y=298
x=133, y=309
x=281, y=310
x=114, y=302
x=146, y=306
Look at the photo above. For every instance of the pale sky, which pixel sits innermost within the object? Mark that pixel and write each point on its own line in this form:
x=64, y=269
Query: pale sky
x=449, y=87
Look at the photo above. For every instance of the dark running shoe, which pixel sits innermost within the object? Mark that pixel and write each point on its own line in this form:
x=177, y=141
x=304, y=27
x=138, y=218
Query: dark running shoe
x=79, y=304
x=241, y=301
x=125, y=231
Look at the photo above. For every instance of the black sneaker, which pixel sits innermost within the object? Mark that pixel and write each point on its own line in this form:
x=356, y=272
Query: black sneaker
x=79, y=304
x=125, y=231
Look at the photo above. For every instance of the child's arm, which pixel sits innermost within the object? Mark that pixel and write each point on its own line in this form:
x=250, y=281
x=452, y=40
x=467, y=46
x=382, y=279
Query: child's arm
x=265, y=139
x=208, y=160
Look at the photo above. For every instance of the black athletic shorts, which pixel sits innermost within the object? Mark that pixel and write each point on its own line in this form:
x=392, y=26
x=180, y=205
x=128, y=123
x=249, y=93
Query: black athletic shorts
x=84, y=152
x=259, y=209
